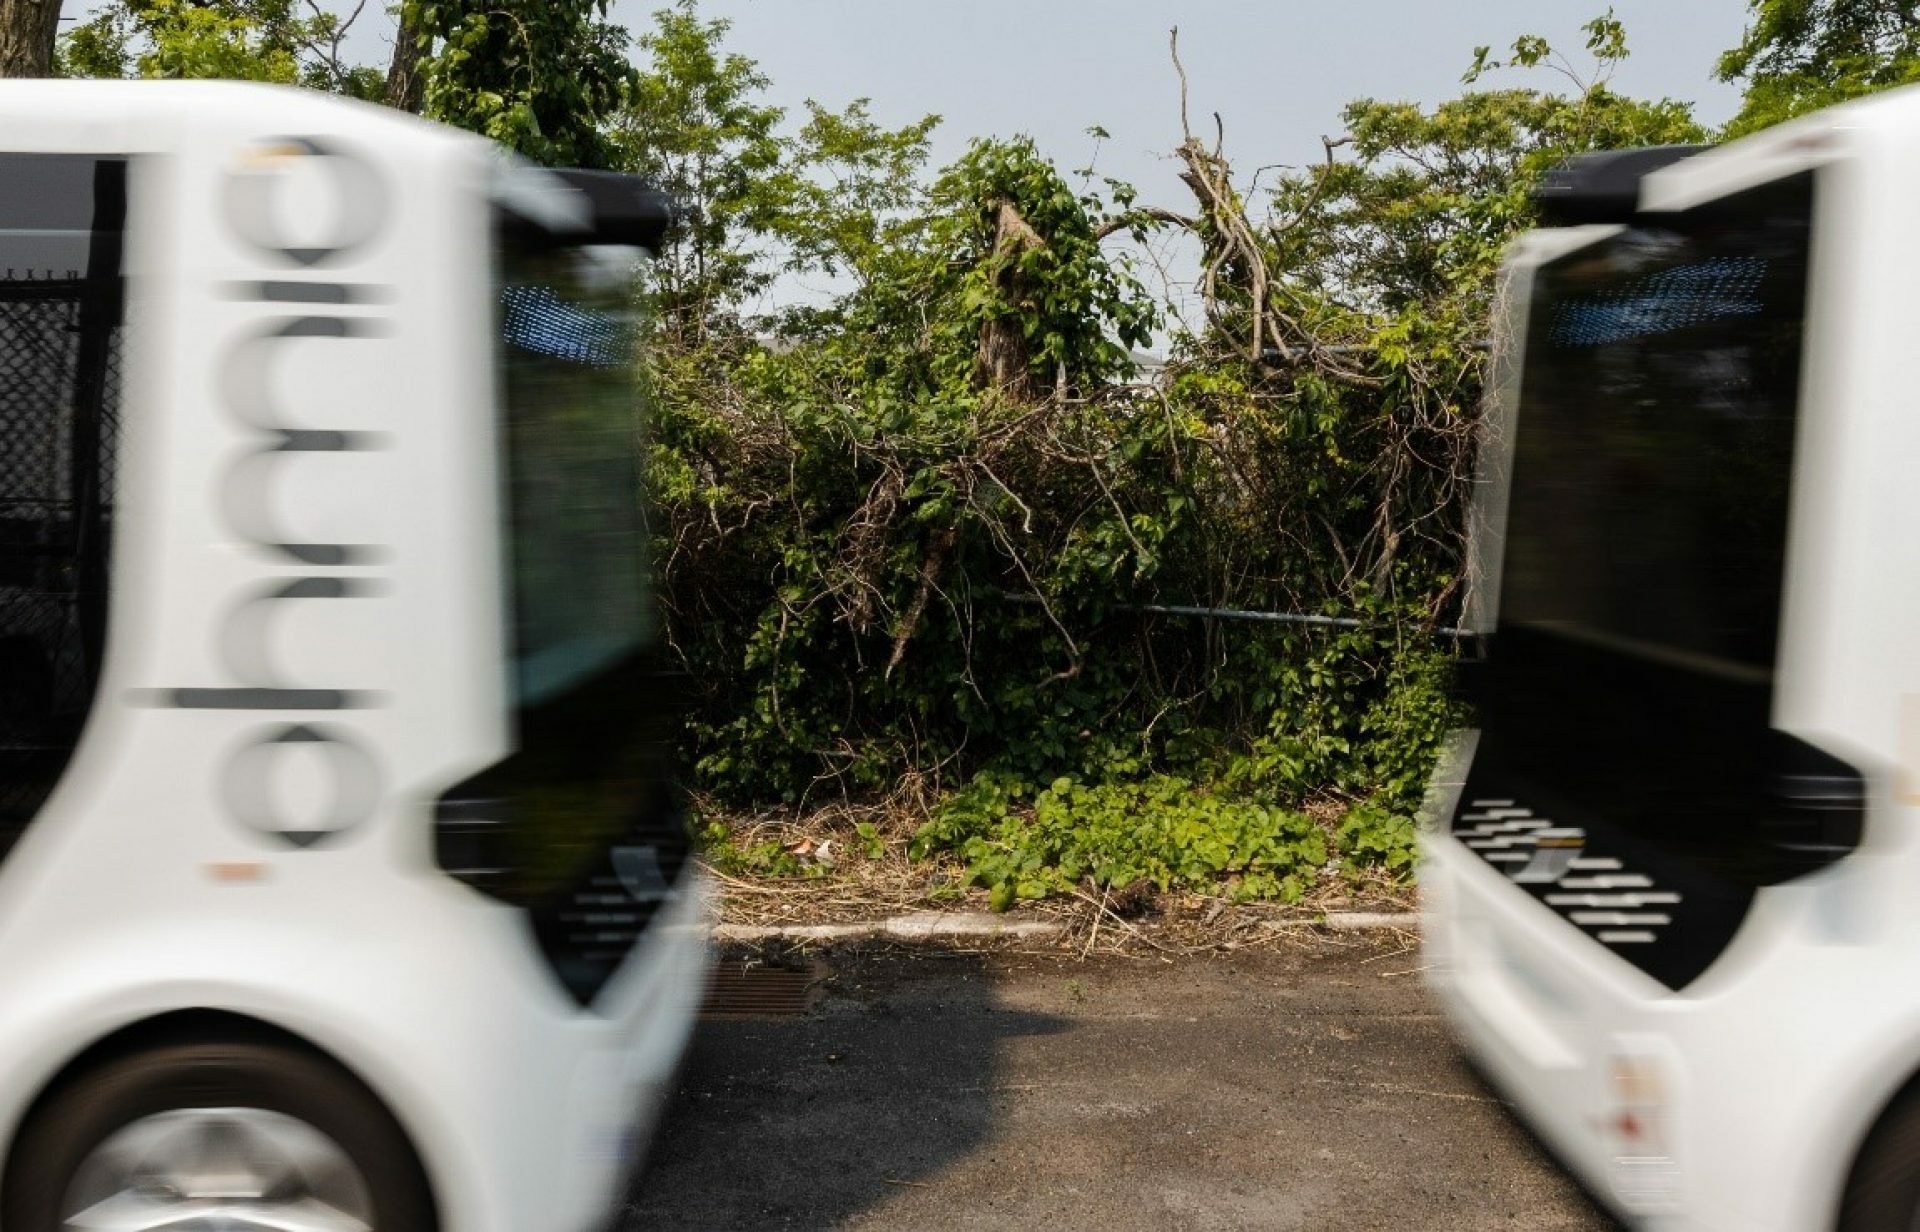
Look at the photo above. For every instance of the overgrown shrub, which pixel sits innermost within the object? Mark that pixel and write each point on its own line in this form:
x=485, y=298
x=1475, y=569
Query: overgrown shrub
x=1179, y=835
x=942, y=532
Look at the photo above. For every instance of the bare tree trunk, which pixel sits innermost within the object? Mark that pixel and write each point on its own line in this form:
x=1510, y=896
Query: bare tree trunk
x=1004, y=360
x=27, y=32
x=406, y=89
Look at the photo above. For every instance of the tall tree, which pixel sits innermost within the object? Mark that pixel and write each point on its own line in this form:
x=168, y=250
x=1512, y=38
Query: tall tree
x=1397, y=247
x=240, y=40
x=698, y=125
x=759, y=196
x=28, y=29
x=1417, y=219
x=541, y=76
x=1801, y=55
x=406, y=89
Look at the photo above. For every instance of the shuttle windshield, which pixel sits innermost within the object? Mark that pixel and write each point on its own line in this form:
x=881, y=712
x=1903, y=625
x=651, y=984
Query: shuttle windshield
x=1649, y=504
x=579, y=543
x=1625, y=705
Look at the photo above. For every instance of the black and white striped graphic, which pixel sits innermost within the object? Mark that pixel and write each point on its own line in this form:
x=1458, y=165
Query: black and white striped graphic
x=1617, y=906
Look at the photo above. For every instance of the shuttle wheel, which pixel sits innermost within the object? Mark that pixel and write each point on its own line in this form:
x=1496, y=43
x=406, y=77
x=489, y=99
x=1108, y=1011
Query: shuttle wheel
x=1883, y=1192
x=232, y=1136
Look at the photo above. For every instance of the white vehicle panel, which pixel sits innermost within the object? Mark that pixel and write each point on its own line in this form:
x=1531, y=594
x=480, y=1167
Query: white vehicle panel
x=1788, y=1047
x=159, y=876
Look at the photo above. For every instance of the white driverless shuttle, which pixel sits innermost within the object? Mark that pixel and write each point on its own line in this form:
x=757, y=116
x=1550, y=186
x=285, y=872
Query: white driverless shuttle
x=1673, y=876
x=342, y=886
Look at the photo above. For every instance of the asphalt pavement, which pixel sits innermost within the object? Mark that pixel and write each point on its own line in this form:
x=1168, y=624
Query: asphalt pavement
x=1312, y=1089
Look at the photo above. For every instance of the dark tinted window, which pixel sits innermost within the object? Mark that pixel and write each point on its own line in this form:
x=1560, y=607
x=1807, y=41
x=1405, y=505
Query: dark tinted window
x=61, y=219
x=581, y=824
x=1655, y=441
x=1627, y=772
x=579, y=543
x=577, y=553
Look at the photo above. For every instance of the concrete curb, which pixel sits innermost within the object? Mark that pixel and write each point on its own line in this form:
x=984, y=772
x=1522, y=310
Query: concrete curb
x=985, y=926
x=1366, y=921
x=920, y=926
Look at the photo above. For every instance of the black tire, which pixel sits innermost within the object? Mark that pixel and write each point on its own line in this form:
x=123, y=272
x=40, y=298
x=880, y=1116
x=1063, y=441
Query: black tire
x=80, y=1115
x=1883, y=1190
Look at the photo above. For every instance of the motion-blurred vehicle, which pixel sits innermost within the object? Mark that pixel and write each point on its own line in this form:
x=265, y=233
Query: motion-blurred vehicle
x=1671, y=874
x=342, y=884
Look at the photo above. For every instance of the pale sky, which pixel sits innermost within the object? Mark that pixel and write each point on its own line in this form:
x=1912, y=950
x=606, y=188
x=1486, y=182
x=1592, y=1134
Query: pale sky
x=1277, y=71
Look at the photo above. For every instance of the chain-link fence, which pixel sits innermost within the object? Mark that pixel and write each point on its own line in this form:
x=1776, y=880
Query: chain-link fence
x=59, y=398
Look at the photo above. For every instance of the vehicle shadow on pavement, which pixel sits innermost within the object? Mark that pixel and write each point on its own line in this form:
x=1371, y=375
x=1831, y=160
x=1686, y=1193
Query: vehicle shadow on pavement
x=807, y=1122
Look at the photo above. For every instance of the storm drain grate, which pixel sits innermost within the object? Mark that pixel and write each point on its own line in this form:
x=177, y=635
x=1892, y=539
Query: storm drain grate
x=741, y=990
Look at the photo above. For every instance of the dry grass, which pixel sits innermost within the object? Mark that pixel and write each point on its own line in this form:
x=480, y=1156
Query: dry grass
x=848, y=885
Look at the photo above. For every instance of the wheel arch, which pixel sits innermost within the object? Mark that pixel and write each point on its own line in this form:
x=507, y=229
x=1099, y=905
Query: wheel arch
x=1875, y=1069
x=201, y=1025
x=1883, y=1100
